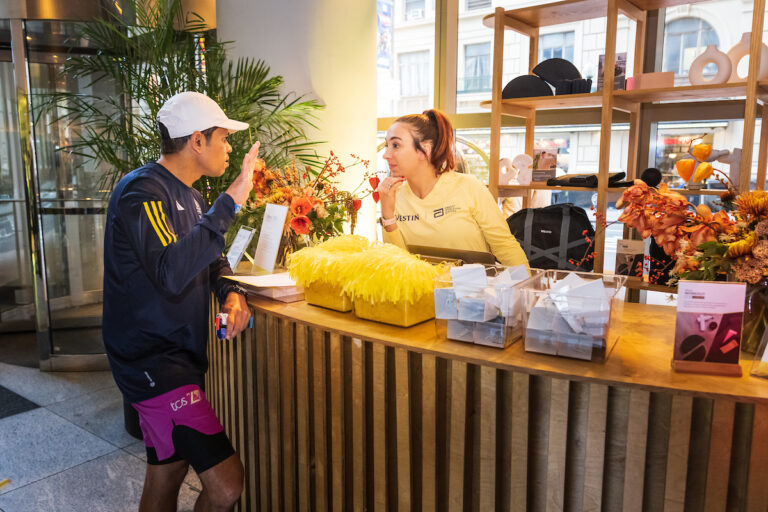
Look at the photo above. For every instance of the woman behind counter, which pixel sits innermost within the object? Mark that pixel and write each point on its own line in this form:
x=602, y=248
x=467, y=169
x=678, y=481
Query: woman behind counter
x=425, y=202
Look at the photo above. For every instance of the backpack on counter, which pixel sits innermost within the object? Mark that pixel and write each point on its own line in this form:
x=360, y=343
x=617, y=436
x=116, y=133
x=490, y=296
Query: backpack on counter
x=551, y=236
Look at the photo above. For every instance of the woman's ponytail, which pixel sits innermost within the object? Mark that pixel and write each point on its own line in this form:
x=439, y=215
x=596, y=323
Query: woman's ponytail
x=435, y=127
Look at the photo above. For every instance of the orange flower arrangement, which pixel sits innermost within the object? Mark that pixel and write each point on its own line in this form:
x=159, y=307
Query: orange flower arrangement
x=731, y=243
x=317, y=208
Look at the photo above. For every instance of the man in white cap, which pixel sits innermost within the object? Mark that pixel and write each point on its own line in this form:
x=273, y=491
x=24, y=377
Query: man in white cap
x=162, y=259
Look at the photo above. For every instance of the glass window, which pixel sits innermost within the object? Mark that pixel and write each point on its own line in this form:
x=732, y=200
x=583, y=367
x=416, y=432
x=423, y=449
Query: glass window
x=477, y=68
x=559, y=45
x=684, y=40
x=404, y=57
x=414, y=10
x=478, y=4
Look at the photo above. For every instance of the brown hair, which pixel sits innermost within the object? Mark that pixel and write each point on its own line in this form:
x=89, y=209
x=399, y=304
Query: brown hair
x=433, y=126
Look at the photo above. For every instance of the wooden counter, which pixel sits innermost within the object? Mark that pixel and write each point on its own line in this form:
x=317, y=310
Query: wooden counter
x=331, y=412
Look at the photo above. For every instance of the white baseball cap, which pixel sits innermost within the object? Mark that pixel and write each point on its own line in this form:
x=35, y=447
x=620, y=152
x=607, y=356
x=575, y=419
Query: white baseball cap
x=189, y=112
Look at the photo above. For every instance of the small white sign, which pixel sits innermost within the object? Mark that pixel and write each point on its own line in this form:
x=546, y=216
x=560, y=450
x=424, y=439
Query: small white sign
x=269, y=237
x=239, y=245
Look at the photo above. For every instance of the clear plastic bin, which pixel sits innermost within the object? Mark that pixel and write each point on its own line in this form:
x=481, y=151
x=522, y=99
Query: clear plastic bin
x=569, y=321
x=475, y=322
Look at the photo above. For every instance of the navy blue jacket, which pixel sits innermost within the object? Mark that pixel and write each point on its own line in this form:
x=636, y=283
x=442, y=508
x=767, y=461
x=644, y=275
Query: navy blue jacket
x=162, y=258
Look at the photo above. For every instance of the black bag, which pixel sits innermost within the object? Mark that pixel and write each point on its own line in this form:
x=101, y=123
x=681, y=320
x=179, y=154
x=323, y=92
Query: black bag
x=554, y=236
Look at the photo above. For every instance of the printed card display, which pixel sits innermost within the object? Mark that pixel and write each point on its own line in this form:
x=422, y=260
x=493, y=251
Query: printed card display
x=239, y=245
x=629, y=258
x=544, y=164
x=619, y=72
x=708, y=326
x=269, y=238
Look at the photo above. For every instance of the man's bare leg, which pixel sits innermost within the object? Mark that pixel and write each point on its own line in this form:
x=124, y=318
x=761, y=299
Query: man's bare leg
x=222, y=486
x=161, y=487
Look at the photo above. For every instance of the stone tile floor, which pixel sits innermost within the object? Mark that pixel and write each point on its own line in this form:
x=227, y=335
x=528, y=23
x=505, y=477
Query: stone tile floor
x=63, y=446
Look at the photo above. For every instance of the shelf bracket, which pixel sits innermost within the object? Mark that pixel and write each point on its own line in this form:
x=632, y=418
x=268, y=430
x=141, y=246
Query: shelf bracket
x=630, y=10
x=624, y=105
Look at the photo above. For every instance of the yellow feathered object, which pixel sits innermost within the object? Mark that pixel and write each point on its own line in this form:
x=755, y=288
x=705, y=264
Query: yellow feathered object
x=387, y=273
x=320, y=263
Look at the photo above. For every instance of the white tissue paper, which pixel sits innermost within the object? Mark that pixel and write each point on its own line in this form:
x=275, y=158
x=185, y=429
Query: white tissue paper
x=446, y=307
x=468, y=279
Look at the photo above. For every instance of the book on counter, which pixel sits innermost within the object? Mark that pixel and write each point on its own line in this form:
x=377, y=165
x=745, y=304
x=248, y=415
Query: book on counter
x=708, y=327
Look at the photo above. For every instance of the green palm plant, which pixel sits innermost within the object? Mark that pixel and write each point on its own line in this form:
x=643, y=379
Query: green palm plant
x=147, y=59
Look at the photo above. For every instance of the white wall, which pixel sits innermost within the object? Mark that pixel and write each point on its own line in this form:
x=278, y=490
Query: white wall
x=324, y=49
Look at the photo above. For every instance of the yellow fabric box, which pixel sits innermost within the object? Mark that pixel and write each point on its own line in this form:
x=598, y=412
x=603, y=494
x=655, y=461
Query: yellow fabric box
x=397, y=313
x=328, y=296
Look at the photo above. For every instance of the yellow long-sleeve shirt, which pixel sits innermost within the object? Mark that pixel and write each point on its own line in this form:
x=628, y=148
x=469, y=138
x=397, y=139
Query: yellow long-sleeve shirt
x=458, y=213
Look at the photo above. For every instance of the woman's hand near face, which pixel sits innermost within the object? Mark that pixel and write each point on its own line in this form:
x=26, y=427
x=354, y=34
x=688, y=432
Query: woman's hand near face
x=388, y=193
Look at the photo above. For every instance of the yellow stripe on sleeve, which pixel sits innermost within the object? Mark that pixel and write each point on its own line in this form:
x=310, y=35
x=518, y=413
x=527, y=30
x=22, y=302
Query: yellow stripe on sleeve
x=158, y=206
x=167, y=227
x=154, y=224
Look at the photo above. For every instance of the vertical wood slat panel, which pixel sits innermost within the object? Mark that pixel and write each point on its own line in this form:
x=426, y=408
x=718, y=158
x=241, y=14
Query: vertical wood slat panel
x=251, y=420
x=757, y=490
x=260, y=347
x=357, y=363
x=595, y=453
x=288, y=417
x=320, y=427
x=337, y=423
x=429, y=429
x=558, y=437
x=677, y=455
x=518, y=483
x=232, y=351
x=379, y=400
x=637, y=437
x=302, y=419
x=403, y=413
x=456, y=436
x=240, y=425
x=721, y=440
x=488, y=397
x=273, y=398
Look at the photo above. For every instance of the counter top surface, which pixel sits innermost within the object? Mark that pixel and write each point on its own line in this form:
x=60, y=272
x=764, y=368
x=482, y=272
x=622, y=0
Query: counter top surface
x=640, y=356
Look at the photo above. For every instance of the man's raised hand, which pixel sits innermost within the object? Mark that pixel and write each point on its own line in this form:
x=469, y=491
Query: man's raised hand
x=241, y=187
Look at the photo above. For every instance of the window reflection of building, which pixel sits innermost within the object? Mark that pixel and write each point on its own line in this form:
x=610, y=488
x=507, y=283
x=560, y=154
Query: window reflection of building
x=558, y=45
x=477, y=68
x=414, y=10
x=414, y=73
x=684, y=40
x=477, y=4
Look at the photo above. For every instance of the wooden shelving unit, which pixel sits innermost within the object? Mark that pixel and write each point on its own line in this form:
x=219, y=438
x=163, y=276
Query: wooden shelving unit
x=528, y=20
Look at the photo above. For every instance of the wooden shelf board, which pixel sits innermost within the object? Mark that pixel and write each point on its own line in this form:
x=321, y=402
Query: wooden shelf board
x=702, y=192
x=684, y=93
x=544, y=186
x=518, y=106
x=592, y=99
x=569, y=11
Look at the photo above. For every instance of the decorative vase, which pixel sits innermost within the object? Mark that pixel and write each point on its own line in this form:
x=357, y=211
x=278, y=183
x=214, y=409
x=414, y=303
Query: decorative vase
x=523, y=163
x=740, y=50
x=760, y=363
x=755, y=316
x=710, y=56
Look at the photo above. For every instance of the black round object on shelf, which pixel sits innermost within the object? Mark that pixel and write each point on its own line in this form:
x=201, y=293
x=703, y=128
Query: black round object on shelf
x=651, y=176
x=526, y=86
x=556, y=69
